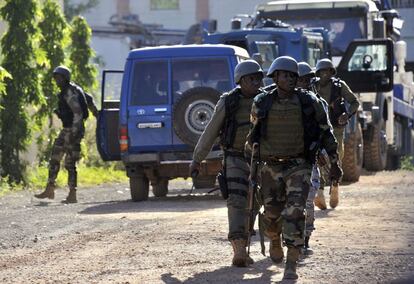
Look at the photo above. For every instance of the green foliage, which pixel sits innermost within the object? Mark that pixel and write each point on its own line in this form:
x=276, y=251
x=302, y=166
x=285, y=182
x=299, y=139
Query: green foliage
x=72, y=10
x=53, y=27
x=20, y=59
x=407, y=163
x=83, y=71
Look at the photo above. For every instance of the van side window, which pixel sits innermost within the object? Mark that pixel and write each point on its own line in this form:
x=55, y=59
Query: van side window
x=150, y=83
x=190, y=73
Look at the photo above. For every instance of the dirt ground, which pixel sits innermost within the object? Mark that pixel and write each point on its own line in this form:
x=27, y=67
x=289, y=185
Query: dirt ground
x=106, y=238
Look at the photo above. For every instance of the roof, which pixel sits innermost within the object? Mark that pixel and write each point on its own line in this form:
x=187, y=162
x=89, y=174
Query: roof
x=188, y=51
x=315, y=4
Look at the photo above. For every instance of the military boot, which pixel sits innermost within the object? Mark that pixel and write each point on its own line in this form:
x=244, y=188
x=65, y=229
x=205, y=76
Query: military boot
x=320, y=200
x=49, y=192
x=306, y=250
x=71, y=196
x=276, y=250
x=334, y=196
x=291, y=263
x=240, y=257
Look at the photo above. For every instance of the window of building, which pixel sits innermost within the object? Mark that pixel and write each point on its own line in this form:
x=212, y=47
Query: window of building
x=164, y=4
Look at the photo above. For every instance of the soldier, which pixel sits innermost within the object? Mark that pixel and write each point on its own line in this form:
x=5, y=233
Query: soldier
x=72, y=110
x=306, y=75
x=335, y=92
x=288, y=123
x=231, y=123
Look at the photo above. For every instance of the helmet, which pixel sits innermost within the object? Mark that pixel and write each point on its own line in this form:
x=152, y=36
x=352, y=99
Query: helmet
x=245, y=68
x=324, y=64
x=305, y=69
x=283, y=63
x=62, y=70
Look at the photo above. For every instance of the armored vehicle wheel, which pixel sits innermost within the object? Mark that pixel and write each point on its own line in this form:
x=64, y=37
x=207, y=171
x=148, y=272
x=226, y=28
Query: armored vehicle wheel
x=192, y=112
x=204, y=182
x=375, y=152
x=139, y=186
x=160, y=189
x=353, y=156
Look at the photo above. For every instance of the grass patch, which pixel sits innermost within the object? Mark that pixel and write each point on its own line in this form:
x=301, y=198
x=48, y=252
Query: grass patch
x=87, y=176
x=407, y=163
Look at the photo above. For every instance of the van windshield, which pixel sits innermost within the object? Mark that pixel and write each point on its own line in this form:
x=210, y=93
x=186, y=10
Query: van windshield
x=150, y=83
x=206, y=72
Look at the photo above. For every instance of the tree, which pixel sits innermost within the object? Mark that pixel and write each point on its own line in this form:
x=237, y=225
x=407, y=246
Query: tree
x=72, y=10
x=83, y=70
x=53, y=28
x=19, y=59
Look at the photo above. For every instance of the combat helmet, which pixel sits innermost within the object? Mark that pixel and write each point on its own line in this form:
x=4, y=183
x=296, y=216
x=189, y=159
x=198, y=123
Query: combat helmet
x=305, y=69
x=283, y=63
x=245, y=68
x=325, y=64
x=62, y=70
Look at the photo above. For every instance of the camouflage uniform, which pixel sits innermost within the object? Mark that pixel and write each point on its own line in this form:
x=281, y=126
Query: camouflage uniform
x=237, y=169
x=286, y=169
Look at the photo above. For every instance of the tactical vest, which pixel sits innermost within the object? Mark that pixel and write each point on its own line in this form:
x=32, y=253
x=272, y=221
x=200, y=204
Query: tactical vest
x=336, y=102
x=65, y=112
x=236, y=123
x=309, y=125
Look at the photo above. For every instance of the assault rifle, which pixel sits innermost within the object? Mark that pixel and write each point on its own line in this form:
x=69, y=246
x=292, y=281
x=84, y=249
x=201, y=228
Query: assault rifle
x=253, y=185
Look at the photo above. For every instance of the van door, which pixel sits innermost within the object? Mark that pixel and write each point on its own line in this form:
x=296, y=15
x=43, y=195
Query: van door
x=149, y=107
x=367, y=66
x=108, y=118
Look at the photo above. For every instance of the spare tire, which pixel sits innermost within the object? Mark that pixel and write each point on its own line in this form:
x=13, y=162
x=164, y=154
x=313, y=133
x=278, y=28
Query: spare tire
x=192, y=112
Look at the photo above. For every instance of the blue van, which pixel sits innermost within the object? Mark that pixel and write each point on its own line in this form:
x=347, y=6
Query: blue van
x=154, y=111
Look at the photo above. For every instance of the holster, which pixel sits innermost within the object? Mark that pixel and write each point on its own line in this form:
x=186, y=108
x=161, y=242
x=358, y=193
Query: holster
x=221, y=178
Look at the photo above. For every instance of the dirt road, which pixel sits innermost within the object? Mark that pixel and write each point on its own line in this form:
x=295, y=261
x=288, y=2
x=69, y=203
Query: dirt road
x=106, y=238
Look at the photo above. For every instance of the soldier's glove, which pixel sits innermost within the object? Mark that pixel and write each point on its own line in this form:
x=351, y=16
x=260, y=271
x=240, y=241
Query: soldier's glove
x=343, y=119
x=336, y=172
x=194, y=169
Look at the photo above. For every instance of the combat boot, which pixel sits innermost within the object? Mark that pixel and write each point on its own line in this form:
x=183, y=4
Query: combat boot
x=49, y=192
x=240, y=255
x=334, y=196
x=320, y=200
x=276, y=250
x=306, y=250
x=291, y=263
x=71, y=196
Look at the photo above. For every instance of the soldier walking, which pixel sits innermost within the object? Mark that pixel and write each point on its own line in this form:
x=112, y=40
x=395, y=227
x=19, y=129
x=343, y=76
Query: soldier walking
x=72, y=111
x=230, y=122
x=288, y=123
x=336, y=93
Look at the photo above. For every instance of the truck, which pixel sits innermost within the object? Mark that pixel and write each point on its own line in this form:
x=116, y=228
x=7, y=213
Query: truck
x=363, y=40
x=155, y=109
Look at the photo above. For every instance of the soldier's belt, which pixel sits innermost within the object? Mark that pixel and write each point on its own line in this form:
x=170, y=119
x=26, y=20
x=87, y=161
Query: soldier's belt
x=281, y=160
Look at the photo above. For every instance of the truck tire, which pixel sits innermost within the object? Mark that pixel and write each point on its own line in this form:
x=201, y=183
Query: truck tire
x=192, y=112
x=139, y=186
x=204, y=182
x=160, y=189
x=375, y=152
x=353, y=156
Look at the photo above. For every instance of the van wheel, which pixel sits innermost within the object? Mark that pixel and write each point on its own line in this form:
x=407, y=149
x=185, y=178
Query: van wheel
x=192, y=112
x=204, y=182
x=353, y=156
x=375, y=152
x=139, y=186
x=160, y=189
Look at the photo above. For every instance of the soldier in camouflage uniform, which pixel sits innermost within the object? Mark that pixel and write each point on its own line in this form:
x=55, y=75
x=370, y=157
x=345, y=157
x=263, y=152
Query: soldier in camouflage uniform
x=336, y=93
x=288, y=123
x=72, y=110
x=230, y=122
x=306, y=75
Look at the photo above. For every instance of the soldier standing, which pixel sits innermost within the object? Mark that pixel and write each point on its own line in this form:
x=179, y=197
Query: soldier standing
x=288, y=123
x=336, y=93
x=230, y=122
x=72, y=110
